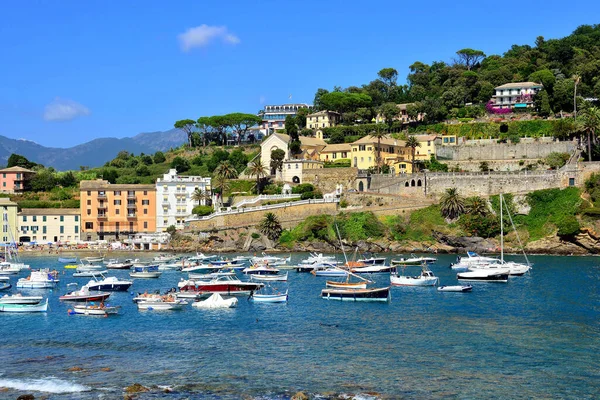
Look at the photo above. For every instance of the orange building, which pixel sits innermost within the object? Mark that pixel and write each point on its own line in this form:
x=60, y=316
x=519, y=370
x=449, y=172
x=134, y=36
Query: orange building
x=116, y=211
x=15, y=179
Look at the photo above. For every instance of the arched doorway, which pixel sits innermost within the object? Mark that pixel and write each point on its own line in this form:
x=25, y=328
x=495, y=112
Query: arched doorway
x=406, y=184
x=412, y=182
x=295, y=179
x=419, y=183
x=361, y=187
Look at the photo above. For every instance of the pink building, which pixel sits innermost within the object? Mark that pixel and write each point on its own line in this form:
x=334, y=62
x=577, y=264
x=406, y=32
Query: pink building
x=15, y=179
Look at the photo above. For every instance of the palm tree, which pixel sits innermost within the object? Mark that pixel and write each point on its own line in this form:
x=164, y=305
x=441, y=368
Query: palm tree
x=590, y=122
x=201, y=195
x=451, y=204
x=476, y=206
x=413, y=143
x=256, y=168
x=576, y=79
x=378, y=134
x=270, y=226
x=224, y=171
x=221, y=185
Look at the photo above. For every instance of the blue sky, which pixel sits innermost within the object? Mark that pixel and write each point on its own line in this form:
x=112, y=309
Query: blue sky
x=71, y=71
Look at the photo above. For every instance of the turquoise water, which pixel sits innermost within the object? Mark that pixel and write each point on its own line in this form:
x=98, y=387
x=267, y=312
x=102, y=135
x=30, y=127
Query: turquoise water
x=535, y=337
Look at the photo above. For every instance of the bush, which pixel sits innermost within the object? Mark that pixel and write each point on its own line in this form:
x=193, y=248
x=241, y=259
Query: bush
x=343, y=204
x=360, y=226
x=303, y=188
x=311, y=195
x=201, y=211
x=159, y=157
x=142, y=170
x=180, y=164
x=568, y=226
x=255, y=235
x=479, y=225
x=197, y=160
x=61, y=194
x=556, y=160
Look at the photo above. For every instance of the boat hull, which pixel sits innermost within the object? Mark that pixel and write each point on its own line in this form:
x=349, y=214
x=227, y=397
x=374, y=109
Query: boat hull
x=374, y=269
x=344, y=285
x=380, y=294
x=457, y=288
x=413, y=281
x=145, y=274
x=24, y=308
x=35, y=285
x=97, y=311
x=482, y=277
x=99, y=296
x=160, y=306
x=270, y=278
x=111, y=287
x=15, y=299
x=269, y=298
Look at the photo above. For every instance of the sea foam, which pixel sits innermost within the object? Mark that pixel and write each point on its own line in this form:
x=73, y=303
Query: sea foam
x=47, y=385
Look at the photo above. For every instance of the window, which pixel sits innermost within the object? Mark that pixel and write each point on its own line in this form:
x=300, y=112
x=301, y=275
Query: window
x=362, y=159
x=76, y=218
x=89, y=192
x=77, y=228
x=145, y=211
x=62, y=218
x=89, y=202
x=145, y=193
x=145, y=225
x=89, y=212
x=89, y=225
x=24, y=218
x=62, y=229
x=362, y=147
x=35, y=218
x=117, y=192
x=297, y=165
x=145, y=202
x=117, y=202
x=117, y=211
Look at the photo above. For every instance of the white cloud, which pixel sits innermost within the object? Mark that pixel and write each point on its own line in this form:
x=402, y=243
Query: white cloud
x=64, y=110
x=203, y=35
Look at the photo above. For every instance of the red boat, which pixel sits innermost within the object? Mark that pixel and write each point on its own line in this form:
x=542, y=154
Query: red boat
x=223, y=285
x=85, y=294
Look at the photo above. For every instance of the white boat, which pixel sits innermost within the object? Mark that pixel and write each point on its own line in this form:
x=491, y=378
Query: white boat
x=372, y=260
x=481, y=275
x=5, y=286
x=93, y=260
x=347, y=285
x=212, y=275
x=90, y=267
x=116, y=264
x=271, y=260
x=165, y=258
x=275, y=297
x=202, y=268
x=455, y=288
x=373, y=269
x=316, y=258
x=200, y=257
x=18, y=298
x=7, y=269
x=165, y=303
x=330, y=272
x=41, y=279
x=99, y=310
x=270, y=278
x=414, y=260
x=24, y=308
x=110, y=283
x=88, y=274
x=425, y=278
x=473, y=260
x=216, y=301
x=260, y=269
x=145, y=271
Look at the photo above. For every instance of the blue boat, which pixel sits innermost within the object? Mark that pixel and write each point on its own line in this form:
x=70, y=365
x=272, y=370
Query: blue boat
x=67, y=260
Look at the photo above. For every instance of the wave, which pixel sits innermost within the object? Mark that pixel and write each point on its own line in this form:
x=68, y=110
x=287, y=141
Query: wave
x=47, y=385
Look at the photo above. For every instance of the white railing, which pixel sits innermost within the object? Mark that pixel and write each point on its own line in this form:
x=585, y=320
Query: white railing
x=263, y=197
x=231, y=211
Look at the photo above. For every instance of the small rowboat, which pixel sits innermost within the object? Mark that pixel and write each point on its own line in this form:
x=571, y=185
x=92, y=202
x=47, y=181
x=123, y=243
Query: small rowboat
x=5, y=286
x=24, y=308
x=270, y=278
x=67, y=260
x=18, y=298
x=457, y=288
x=71, y=266
x=161, y=305
x=270, y=298
x=346, y=285
x=91, y=309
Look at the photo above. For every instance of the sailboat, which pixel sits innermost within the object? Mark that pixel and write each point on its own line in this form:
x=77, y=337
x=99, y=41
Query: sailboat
x=353, y=291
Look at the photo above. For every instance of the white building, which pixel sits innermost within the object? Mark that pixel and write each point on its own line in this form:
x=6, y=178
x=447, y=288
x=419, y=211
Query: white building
x=273, y=117
x=517, y=95
x=174, y=198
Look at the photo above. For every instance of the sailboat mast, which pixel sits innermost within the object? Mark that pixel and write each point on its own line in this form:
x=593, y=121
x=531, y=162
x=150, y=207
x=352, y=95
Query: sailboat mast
x=501, y=231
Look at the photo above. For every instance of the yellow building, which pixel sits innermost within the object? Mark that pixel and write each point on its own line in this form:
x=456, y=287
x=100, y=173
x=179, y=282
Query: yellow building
x=9, y=221
x=333, y=152
x=449, y=140
x=322, y=119
x=45, y=225
x=393, y=153
x=427, y=146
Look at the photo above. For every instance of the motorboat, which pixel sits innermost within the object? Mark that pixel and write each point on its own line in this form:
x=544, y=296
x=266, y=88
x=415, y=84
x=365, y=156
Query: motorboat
x=425, y=278
x=145, y=271
x=315, y=266
x=4, y=279
x=331, y=272
x=375, y=294
x=165, y=258
x=455, y=288
x=18, y=298
x=201, y=257
x=85, y=294
x=167, y=302
x=212, y=275
x=274, y=297
x=373, y=269
x=5, y=286
x=316, y=258
x=224, y=285
x=90, y=267
x=414, y=260
x=88, y=274
x=473, y=260
x=98, y=310
x=270, y=278
x=40, y=279
x=24, y=308
x=201, y=268
x=93, y=260
x=7, y=269
x=373, y=260
x=109, y=283
x=67, y=260
x=260, y=269
x=482, y=275
x=272, y=260
x=116, y=264
x=216, y=301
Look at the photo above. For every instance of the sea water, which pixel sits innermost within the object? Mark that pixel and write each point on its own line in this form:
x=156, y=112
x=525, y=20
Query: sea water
x=537, y=336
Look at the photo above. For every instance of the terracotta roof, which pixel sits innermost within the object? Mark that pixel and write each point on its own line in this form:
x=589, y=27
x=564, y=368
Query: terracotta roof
x=304, y=140
x=330, y=148
x=17, y=169
x=6, y=201
x=50, y=211
x=518, y=85
x=424, y=138
x=101, y=184
x=387, y=140
x=324, y=112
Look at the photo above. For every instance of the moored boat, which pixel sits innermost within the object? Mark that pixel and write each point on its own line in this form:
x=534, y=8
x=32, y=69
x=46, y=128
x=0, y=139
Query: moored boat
x=145, y=271
x=275, y=297
x=260, y=269
x=5, y=286
x=41, y=279
x=167, y=302
x=96, y=309
x=88, y=274
x=270, y=278
x=18, y=298
x=24, y=308
x=224, y=285
x=375, y=294
x=483, y=276
x=67, y=260
x=455, y=288
x=425, y=278
x=216, y=301
x=85, y=294
x=109, y=283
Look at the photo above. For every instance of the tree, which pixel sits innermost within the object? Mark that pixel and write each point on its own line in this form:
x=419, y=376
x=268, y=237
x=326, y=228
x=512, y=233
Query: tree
x=257, y=169
x=142, y=170
x=171, y=230
x=43, y=181
x=68, y=179
x=201, y=196
x=317, y=105
x=146, y=159
x=180, y=164
x=187, y=126
x=292, y=131
x=270, y=226
x=301, y=115
x=16, y=160
x=224, y=172
x=412, y=143
x=239, y=159
x=240, y=123
x=484, y=166
x=277, y=157
x=469, y=57
x=545, y=77
x=378, y=134
x=389, y=111
x=476, y=206
x=110, y=174
x=218, y=156
x=590, y=122
x=342, y=102
x=451, y=204
x=542, y=103
x=556, y=160
x=576, y=80
x=159, y=157
x=389, y=76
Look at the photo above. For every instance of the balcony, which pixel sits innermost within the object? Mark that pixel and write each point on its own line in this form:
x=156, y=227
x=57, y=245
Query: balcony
x=182, y=213
x=131, y=206
x=131, y=195
x=131, y=216
x=166, y=203
x=101, y=195
x=102, y=206
x=102, y=216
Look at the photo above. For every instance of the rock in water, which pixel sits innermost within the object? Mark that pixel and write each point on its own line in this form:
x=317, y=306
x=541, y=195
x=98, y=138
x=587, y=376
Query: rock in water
x=300, y=396
x=136, y=388
x=26, y=397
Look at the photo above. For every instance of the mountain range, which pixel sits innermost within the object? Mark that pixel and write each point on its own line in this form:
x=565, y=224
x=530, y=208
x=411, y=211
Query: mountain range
x=93, y=153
